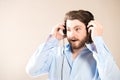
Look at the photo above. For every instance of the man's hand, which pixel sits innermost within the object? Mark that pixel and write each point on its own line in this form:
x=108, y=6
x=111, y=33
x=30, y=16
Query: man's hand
x=96, y=29
x=57, y=31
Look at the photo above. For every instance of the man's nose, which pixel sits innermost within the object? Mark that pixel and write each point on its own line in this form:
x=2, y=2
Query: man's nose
x=72, y=34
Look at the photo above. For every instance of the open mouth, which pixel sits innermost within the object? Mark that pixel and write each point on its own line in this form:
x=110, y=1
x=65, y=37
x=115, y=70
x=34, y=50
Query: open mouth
x=74, y=40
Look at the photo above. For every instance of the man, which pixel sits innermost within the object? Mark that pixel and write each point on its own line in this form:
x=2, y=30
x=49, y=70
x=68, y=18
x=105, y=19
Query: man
x=85, y=57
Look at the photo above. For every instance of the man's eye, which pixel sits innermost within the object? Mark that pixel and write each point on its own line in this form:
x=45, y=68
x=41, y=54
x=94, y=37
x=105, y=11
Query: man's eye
x=77, y=29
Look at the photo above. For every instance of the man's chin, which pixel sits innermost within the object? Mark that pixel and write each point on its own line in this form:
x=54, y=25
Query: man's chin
x=77, y=46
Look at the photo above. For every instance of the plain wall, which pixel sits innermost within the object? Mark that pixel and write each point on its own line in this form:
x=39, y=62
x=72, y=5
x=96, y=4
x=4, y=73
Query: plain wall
x=25, y=24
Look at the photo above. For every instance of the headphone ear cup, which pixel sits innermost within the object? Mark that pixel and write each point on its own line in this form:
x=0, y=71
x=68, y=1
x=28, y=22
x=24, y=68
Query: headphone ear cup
x=65, y=31
x=89, y=35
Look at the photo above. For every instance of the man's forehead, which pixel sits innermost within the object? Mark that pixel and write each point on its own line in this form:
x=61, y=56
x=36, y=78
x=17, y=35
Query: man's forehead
x=74, y=23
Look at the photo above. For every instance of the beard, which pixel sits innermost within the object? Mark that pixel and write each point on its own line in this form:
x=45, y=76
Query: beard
x=76, y=43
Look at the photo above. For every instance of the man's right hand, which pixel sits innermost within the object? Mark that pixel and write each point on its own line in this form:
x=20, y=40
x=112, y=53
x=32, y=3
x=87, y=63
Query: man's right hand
x=57, y=31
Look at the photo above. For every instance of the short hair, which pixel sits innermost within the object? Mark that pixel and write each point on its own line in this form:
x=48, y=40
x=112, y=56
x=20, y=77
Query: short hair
x=81, y=15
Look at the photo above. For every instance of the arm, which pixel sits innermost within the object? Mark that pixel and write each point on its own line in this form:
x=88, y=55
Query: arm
x=107, y=68
x=41, y=60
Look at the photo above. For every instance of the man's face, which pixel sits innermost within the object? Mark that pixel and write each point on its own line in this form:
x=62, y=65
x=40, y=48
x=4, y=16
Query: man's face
x=76, y=33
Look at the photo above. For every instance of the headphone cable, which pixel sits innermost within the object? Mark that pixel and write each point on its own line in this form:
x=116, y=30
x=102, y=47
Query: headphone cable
x=63, y=56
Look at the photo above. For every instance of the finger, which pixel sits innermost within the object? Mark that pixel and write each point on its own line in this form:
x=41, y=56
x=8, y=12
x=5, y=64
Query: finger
x=59, y=27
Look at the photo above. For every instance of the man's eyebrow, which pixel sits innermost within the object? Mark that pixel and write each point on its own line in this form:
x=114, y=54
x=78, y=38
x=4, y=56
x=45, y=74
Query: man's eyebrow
x=78, y=26
x=75, y=26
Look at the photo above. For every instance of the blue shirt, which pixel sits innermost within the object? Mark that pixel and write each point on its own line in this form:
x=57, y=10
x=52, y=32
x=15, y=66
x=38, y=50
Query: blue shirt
x=94, y=62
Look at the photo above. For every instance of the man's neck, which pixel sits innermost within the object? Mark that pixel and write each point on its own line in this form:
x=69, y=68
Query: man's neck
x=76, y=52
